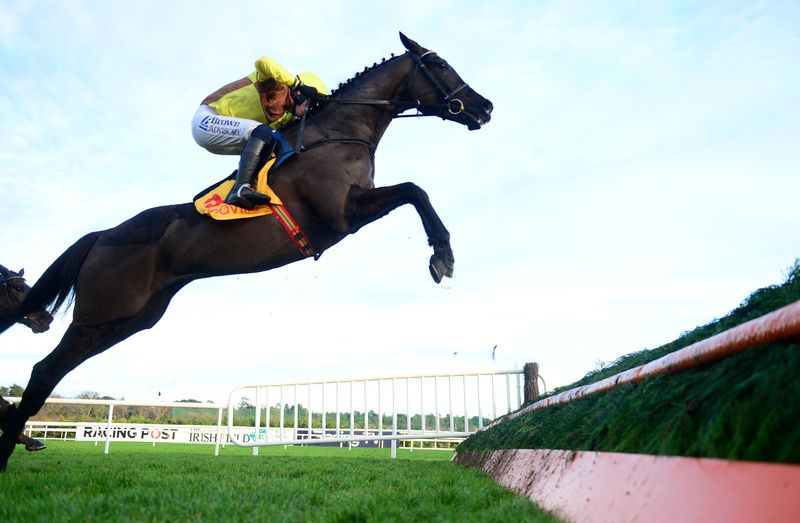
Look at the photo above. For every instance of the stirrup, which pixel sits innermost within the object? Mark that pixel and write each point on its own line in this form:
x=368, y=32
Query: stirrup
x=251, y=195
x=245, y=197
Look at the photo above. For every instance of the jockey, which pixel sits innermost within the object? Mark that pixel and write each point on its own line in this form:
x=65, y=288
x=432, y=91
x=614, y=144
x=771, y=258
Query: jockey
x=240, y=117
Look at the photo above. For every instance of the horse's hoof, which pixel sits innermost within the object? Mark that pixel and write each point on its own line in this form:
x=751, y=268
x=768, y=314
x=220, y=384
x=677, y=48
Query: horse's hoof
x=437, y=268
x=35, y=445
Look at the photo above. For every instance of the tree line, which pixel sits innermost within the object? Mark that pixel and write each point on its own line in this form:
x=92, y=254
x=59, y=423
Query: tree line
x=244, y=415
x=122, y=413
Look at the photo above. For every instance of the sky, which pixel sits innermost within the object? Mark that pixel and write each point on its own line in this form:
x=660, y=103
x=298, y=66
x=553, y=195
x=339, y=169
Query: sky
x=639, y=178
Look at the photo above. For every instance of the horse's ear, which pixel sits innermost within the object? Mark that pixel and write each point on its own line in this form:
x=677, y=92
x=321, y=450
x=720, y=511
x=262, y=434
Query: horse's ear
x=411, y=45
x=22, y=272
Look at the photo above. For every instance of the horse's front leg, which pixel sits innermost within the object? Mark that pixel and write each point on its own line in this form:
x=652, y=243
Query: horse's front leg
x=74, y=348
x=6, y=412
x=367, y=205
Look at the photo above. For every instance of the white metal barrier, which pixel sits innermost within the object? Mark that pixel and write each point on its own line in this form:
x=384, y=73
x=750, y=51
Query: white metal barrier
x=420, y=408
x=107, y=432
x=443, y=404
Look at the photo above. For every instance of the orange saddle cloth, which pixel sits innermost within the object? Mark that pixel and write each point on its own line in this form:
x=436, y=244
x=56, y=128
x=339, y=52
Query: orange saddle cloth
x=212, y=201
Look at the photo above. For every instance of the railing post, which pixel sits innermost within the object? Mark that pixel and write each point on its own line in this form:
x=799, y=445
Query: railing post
x=531, y=372
x=394, y=422
x=219, y=431
x=352, y=415
x=310, y=412
x=280, y=415
x=108, y=427
x=338, y=414
x=296, y=412
x=258, y=417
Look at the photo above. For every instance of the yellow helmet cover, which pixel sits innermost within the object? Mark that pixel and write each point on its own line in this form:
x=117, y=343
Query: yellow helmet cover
x=314, y=81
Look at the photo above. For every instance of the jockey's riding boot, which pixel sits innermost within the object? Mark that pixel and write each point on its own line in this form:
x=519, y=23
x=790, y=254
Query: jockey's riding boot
x=255, y=152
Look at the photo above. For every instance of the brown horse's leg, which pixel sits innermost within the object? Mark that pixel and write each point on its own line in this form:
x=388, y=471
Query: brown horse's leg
x=364, y=206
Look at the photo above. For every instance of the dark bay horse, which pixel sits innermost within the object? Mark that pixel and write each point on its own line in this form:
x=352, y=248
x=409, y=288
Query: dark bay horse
x=13, y=290
x=123, y=278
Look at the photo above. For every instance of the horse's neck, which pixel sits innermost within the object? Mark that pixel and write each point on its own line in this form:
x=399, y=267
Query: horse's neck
x=369, y=122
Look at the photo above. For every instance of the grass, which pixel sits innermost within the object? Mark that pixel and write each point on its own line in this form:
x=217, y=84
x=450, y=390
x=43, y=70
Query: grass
x=744, y=407
x=75, y=481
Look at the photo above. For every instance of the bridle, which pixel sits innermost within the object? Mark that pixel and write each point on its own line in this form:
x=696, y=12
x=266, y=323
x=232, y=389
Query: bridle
x=453, y=105
x=447, y=101
x=4, y=283
x=37, y=320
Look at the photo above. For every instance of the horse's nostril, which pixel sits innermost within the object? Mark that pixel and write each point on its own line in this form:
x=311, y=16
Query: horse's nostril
x=487, y=106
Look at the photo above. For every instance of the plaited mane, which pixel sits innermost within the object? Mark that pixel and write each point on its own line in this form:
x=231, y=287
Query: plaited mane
x=348, y=83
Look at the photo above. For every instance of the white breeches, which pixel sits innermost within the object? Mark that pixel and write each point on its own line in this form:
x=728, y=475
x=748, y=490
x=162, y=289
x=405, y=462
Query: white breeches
x=221, y=134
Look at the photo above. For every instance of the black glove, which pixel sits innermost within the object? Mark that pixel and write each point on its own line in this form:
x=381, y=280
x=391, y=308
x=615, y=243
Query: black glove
x=307, y=91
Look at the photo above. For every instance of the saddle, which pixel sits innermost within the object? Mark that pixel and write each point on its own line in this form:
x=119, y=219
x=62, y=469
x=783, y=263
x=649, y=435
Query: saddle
x=211, y=201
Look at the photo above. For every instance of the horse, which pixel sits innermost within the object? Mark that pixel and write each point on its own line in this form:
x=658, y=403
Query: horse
x=122, y=279
x=13, y=290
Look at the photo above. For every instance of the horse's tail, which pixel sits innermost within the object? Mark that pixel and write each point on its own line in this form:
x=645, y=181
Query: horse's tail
x=55, y=286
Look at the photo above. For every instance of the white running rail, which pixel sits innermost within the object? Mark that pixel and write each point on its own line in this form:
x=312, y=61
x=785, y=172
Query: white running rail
x=438, y=406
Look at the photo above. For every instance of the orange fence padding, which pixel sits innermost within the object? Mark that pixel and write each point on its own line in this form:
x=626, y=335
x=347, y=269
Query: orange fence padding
x=610, y=486
x=778, y=325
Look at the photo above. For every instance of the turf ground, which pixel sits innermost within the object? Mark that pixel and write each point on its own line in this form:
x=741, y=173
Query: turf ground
x=75, y=481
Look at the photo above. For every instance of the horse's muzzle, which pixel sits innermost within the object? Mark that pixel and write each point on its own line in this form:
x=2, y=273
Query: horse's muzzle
x=484, y=114
x=38, y=321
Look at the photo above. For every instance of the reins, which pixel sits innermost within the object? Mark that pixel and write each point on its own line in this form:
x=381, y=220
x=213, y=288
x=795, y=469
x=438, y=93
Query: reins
x=299, y=147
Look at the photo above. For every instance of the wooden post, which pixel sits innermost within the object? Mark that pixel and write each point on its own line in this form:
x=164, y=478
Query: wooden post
x=531, y=373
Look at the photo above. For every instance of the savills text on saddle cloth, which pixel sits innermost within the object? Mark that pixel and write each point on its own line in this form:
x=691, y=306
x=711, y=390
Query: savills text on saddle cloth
x=212, y=203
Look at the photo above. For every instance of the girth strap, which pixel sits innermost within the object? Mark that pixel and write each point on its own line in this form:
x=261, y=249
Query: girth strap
x=294, y=232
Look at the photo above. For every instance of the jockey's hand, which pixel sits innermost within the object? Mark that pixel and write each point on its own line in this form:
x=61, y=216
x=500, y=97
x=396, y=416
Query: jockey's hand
x=300, y=108
x=307, y=91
